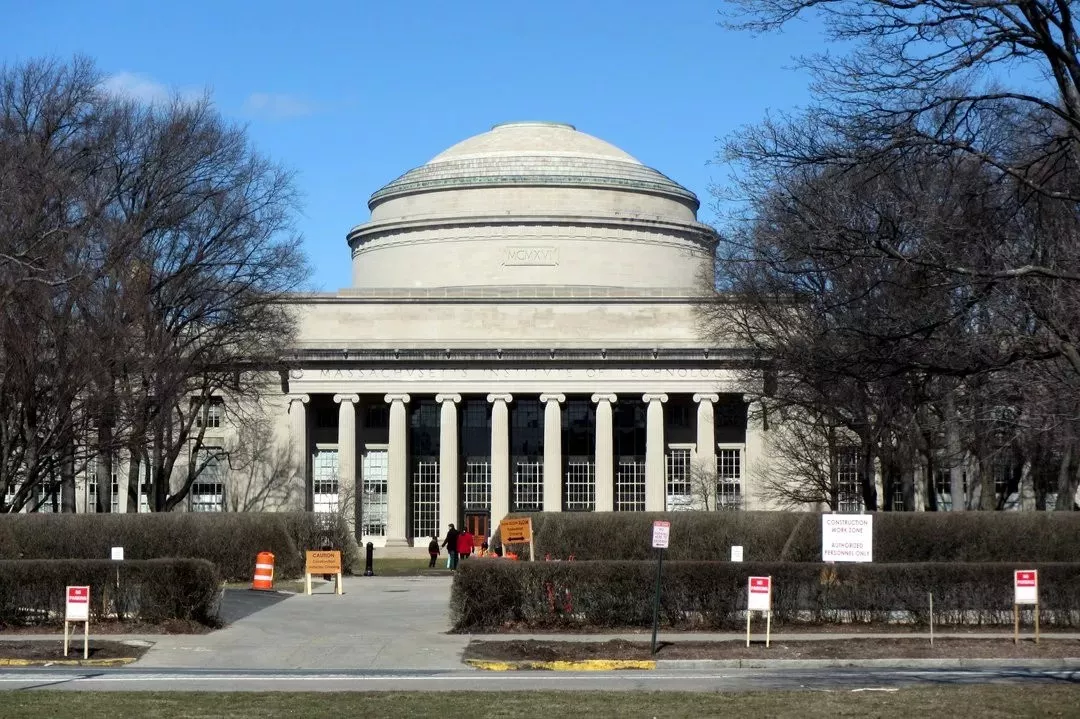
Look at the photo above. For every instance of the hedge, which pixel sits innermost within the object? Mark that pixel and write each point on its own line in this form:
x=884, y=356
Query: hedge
x=494, y=594
x=796, y=536
x=154, y=590
x=229, y=541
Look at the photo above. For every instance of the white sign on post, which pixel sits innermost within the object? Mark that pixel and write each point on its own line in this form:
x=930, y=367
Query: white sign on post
x=77, y=609
x=847, y=537
x=736, y=553
x=661, y=533
x=1026, y=586
x=118, y=554
x=759, y=599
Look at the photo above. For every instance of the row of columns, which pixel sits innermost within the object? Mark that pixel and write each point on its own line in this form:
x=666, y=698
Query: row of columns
x=398, y=459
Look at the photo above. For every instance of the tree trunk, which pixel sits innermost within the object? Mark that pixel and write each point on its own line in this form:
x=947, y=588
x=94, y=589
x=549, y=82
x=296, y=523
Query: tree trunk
x=67, y=478
x=1067, y=481
x=954, y=455
x=134, y=465
x=987, y=490
x=104, y=466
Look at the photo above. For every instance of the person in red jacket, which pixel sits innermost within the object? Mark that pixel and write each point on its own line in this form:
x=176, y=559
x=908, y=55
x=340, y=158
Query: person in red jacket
x=465, y=544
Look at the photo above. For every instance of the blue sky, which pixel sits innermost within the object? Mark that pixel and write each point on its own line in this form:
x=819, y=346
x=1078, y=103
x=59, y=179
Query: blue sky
x=352, y=94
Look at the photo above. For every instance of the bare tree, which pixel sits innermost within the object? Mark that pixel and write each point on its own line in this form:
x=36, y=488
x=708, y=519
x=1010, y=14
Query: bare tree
x=145, y=251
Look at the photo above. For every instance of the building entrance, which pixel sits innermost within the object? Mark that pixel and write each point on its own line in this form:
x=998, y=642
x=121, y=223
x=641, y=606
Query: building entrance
x=479, y=525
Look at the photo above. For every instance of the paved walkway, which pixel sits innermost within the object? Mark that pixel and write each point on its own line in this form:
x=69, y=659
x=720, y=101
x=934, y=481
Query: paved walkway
x=378, y=623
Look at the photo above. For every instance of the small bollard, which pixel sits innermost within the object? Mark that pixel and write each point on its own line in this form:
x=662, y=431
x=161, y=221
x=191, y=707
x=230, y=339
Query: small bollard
x=368, y=571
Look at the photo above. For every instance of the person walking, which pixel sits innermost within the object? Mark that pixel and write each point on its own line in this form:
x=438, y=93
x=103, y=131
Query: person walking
x=451, y=544
x=465, y=544
x=433, y=551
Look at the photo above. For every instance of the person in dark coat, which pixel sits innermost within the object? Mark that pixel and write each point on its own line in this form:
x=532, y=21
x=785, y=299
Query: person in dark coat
x=450, y=542
x=433, y=551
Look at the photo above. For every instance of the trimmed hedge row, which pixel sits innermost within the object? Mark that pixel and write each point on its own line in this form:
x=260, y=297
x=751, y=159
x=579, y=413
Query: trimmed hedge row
x=154, y=590
x=229, y=541
x=493, y=594
x=796, y=536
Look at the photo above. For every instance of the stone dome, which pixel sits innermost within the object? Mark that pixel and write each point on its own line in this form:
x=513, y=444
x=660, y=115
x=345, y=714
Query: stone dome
x=534, y=204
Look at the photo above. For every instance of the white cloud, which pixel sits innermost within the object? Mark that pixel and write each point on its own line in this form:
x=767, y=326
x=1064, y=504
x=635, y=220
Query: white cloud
x=277, y=105
x=135, y=86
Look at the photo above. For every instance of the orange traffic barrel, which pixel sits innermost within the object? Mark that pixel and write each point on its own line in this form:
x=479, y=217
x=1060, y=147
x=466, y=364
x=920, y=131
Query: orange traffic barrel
x=264, y=571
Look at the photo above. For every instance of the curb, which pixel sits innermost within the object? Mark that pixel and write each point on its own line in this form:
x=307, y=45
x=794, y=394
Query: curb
x=708, y=664
x=119, y=661
x=586, y=665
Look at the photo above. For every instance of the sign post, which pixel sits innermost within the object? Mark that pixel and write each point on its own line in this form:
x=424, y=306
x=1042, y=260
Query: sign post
x=1025, y=591
x=77, y=609
x=518, y=531
x=759, y=599
x=322, y=562
x=661, y=534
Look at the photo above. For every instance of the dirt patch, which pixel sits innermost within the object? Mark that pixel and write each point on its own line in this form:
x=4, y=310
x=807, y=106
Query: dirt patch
x=171, y=626
x=898, y=648
x=48, y=650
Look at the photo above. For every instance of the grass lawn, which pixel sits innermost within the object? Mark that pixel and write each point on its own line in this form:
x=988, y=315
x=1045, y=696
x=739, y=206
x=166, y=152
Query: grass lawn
x=984, y=702
x=401, y=567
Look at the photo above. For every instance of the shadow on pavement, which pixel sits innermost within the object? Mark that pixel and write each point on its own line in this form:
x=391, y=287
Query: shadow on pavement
x=237, y=604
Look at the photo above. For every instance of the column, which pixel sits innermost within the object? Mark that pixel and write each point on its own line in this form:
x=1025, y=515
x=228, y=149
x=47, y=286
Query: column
x=705, y=454
x=348, y=491
x=552, y=451
x=605, y=460
x=398, y=471
x=655, y=472
x=753, y=456
x=500, y=457
x=299, y=445
x=448, y=461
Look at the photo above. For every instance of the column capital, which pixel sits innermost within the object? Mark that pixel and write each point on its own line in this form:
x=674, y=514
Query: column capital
x=390, y=398
x=339, y=398
x=604, y=397
x=455, y=398
x=706, y=397
x=750, y=398
x=654, y=397
x=305, y=398
x=500, y=397
x=560, y=398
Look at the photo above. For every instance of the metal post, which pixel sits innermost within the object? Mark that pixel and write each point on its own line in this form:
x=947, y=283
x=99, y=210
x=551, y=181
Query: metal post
x=656, y=599
x=931, y=619
x=368, y=571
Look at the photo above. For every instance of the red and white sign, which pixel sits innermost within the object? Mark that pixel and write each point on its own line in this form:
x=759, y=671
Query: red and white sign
x=759, y=598
x=661, y=533
x=1026, y=586
x=77, y=607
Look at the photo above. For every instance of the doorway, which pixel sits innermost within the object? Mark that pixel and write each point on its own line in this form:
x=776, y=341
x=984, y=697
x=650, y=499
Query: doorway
x=479, y=525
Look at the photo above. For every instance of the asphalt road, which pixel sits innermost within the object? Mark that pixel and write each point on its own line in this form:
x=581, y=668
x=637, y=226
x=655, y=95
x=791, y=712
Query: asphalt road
x=853, y=679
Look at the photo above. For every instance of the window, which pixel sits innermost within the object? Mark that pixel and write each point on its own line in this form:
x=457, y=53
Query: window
x=477, y=483
x=579, y=488
x=92, y=485
x=848, y=481
x=207, y=492
x=425, y=499
x=630, y=485
x=324, y=481
x=529, y=487
x=373, y=506
x=729, y=478
x=213, y=411
x=679, y=480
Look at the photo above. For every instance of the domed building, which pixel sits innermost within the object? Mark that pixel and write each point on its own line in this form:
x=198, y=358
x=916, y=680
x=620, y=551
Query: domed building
x=520, y=335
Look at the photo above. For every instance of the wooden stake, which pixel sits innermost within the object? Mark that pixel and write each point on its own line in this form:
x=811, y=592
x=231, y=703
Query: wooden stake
x=1016, y=624
x=1036, y=622
x=768, y=626
x=931, y=619
x=307, y=583
x=748, y=613
x=86, y=640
